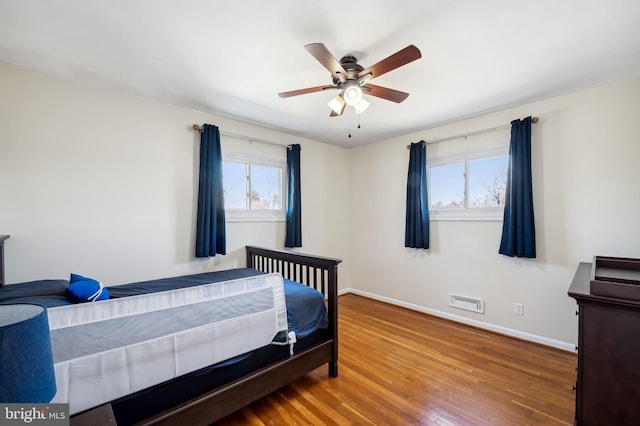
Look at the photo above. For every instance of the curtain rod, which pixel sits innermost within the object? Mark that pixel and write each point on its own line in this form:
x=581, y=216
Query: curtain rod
x=198, y=128
x=477, y=132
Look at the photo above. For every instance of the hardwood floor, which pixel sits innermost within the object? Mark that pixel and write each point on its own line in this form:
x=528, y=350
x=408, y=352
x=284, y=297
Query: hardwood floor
x=400, y=367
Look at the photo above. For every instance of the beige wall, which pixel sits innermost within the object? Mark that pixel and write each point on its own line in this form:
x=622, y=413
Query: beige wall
x=102, y=183
x=586, y=154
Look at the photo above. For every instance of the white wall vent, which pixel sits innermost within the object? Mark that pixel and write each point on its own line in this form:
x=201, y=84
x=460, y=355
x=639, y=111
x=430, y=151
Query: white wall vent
x=468, y=303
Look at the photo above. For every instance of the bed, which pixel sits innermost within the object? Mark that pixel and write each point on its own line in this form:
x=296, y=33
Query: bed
x=210, y=393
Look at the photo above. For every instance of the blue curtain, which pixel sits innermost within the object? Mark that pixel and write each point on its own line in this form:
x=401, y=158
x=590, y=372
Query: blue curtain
x=210, y=227
x=293, y=236
x=518, y=228
x=416, y=233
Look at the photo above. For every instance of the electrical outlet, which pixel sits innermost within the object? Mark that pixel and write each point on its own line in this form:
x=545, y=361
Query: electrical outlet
x=518, y=309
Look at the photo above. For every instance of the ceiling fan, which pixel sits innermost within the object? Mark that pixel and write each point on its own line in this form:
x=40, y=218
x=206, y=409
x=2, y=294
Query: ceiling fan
x=352, y=79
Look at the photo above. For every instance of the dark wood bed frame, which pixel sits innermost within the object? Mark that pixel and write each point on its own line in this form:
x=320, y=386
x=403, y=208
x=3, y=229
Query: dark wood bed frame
x=320, y=273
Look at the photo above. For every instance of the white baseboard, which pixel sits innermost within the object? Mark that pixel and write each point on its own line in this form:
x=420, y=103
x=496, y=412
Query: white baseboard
x=484, y=325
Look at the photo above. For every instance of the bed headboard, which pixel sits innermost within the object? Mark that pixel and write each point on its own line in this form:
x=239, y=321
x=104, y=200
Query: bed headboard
x=318, y=272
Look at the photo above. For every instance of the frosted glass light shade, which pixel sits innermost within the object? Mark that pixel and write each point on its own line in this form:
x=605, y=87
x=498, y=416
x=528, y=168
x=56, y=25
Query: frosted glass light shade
x=337, y=104
x=352, y=95
x=361, y=106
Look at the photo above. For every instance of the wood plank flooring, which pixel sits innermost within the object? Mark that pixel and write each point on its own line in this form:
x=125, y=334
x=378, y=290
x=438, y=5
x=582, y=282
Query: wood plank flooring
x=400, y=367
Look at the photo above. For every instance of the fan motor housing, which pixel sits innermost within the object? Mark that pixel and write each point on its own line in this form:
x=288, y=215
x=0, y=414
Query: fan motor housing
x=351, y=66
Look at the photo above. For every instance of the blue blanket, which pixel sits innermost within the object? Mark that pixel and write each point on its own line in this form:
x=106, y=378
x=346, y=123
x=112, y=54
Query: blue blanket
x=306, y=311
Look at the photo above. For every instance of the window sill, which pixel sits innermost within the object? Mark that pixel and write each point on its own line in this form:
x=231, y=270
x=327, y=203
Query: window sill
x=468, y=215
x=254, y=217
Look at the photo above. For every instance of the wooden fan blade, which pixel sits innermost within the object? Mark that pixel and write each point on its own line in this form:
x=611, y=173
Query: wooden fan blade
x=385, y=93
x=322, y=55
x=334, y=114
x=305, y=91
x=398, y=59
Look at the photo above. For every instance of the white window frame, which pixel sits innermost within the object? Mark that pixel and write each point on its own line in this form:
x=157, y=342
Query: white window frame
x=467, y=213
x=259, y=215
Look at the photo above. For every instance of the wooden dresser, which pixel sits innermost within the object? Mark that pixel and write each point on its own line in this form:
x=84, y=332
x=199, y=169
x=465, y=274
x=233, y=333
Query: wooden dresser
x=2, y=239
x=608, y=376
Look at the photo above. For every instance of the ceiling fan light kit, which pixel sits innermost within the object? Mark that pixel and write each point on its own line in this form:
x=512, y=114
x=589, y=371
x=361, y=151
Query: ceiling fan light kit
x=352, y=79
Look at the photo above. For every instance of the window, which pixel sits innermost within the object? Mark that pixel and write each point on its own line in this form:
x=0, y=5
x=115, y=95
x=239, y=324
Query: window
x=447, y=186
x=487, y=180
x=266, y=187
x=254, y=189
x=469, y=186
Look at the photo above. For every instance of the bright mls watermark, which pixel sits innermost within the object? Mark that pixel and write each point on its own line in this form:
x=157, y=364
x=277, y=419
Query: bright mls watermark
x=34, y=414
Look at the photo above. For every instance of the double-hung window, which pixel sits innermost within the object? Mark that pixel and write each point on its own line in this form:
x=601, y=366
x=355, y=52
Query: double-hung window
x=254, y=188
x=468, y=186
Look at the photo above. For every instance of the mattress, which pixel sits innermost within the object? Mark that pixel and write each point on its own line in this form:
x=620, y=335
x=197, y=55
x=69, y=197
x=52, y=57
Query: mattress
x=103, y=351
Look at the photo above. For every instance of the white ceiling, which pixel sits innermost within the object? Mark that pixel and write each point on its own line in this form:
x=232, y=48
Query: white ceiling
x=233, y=57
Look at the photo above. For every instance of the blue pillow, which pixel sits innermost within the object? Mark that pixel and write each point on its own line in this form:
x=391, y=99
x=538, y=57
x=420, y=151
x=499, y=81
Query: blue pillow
x=82, y=289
